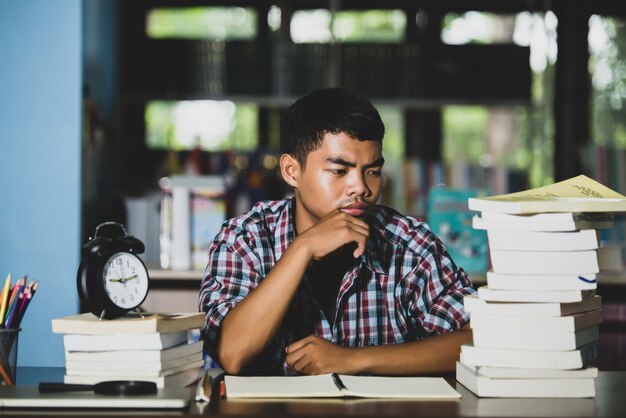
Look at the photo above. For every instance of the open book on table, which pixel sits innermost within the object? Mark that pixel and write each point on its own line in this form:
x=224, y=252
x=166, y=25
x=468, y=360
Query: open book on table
x=335, y=386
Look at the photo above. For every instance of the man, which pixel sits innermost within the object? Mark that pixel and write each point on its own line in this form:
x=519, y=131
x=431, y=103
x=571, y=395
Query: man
x=328, y=281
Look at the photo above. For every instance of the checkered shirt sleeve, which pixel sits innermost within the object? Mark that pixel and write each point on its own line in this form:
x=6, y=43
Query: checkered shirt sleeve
x=432, y=287
x=232, y=272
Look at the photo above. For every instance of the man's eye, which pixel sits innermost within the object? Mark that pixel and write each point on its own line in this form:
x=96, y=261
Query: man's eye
x=337, y=172
x=375, y=173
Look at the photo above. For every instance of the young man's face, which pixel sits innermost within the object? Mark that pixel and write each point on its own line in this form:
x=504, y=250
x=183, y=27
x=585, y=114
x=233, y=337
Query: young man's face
x=343, y=173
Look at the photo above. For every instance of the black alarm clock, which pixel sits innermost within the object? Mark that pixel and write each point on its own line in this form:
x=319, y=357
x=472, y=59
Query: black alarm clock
x=112, y=280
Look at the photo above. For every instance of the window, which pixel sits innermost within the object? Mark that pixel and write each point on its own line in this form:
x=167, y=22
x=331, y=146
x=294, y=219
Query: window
x=209, y=124
x=477, y=27
x=607, y=67
x=393, y=151
x=210, y=23
x=320, y=26
x=503, y=149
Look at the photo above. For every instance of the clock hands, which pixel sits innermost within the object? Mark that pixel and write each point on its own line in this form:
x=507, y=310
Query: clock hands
x=123, y=280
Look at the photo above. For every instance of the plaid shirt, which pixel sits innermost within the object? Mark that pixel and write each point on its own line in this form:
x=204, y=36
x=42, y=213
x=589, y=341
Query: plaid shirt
x=404, y=288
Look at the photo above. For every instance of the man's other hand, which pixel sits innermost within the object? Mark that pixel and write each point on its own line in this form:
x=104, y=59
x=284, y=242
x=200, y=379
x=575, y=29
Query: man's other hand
x=315, y=355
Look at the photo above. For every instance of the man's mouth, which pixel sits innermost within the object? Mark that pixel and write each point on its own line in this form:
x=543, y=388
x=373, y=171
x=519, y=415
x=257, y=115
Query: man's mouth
x=356, y=209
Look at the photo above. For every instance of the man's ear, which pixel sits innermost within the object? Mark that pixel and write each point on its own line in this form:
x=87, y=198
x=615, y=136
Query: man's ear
x=290, y=170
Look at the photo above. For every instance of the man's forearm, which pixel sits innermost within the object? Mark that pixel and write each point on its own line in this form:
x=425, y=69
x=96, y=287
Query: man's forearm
x=436, y=354
x=253, y=323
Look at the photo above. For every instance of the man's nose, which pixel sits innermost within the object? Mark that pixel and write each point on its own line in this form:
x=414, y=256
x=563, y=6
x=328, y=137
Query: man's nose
x=357, y=185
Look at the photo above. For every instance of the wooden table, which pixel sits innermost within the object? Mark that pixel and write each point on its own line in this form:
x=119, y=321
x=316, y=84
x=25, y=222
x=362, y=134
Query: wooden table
x=609, y=402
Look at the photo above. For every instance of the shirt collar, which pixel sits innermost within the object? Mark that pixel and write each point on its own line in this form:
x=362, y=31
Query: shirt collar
x=373, y=257
x=285, y=231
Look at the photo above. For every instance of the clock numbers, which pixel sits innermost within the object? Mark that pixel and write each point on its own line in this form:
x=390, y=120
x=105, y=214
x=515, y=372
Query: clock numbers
x=125, y=280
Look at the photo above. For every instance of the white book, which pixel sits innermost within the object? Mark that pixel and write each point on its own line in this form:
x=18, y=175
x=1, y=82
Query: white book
x=560, y=296
x=550, y=217
x=577, y=194
x=133, y=366
x=181, y=379
x=585, y=239
x=483, y=223
x=115, y=374
x=524, y=388
x=515, y=358
x=544, y=262
x=335, y=386
x=501, y=281
x=139, y=356
x=474, y=304
x=512, y=373
x=535, y=340
x=147, y=341
x=131, y=323
x=568, y=323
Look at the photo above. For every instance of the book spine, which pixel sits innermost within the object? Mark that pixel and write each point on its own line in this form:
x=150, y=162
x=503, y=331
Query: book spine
x=165, y=236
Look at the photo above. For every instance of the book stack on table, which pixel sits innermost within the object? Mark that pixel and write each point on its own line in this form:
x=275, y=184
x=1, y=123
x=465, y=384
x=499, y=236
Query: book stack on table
x=535, y=324
x=155, y=348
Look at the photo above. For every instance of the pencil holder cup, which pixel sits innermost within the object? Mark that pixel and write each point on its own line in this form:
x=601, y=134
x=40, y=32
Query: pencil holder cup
x=8, y=355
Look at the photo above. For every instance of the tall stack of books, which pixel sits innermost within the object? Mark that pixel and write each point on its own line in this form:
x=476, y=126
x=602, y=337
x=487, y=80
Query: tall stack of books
x=536, y=323
x=152, y=348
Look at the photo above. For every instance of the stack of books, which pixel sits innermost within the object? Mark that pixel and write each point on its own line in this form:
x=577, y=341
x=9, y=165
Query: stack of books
x=153, y=348
x=536, y=323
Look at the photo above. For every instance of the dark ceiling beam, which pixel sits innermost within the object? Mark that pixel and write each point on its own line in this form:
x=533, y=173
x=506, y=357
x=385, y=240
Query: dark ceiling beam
x=572, y=88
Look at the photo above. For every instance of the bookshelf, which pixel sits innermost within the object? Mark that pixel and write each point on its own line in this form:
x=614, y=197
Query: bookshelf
x=418, y=73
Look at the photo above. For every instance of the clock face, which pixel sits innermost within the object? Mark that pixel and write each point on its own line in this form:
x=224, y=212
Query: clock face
x=125, y=280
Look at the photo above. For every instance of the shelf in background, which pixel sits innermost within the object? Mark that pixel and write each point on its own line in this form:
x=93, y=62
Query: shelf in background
x=273, y=101
x=176, y=275
x=616, y=279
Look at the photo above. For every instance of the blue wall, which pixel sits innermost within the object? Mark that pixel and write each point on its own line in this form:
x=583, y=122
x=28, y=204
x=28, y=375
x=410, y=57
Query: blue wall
x=40, y=123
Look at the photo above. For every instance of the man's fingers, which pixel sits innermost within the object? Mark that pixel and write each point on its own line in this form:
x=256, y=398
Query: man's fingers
x=294, y=357
x=297, y=359
x=336, y=230
x=356, y=222
x=301, y=364
x=360, y=249
x=297, y=345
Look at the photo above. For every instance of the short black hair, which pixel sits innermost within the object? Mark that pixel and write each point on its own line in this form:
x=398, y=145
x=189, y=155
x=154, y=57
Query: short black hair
x=333, y=110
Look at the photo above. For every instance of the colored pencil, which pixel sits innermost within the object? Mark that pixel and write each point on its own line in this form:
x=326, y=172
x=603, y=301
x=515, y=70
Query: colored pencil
x=27, y=297
x=13, y=311
x=5, y=297
x=17, y=289
x=7, y=379
x=13, y=304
